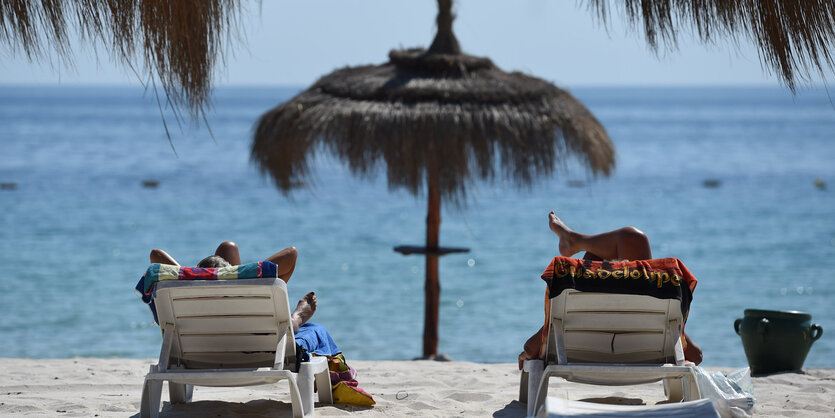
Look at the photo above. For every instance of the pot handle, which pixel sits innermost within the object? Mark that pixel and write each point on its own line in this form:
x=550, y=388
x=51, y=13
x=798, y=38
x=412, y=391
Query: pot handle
x=763, y=326
x=817, y=335
x=736, y=325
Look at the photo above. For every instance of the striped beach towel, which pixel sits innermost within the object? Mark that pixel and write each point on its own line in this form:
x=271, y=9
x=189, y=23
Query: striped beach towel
x=157, y=272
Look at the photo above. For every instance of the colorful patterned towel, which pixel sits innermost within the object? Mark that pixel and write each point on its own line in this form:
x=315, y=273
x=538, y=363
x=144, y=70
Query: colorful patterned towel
x=664, y=278
x=157, y=272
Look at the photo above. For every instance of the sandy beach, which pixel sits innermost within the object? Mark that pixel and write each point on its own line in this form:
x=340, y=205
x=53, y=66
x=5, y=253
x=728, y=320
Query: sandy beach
x=92, y=387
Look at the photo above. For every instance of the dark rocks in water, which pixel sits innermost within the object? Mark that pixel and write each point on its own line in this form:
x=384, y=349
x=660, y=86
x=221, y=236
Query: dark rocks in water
x=10, y=185
x=712, y=183
x=820, y=184
x=150, y=184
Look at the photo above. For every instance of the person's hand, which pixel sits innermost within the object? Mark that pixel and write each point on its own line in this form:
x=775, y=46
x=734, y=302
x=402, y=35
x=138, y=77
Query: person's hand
x=522, y=357
x=692, y=352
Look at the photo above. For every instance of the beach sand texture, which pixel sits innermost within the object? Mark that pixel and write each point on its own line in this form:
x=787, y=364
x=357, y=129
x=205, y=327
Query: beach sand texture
x=92, y=387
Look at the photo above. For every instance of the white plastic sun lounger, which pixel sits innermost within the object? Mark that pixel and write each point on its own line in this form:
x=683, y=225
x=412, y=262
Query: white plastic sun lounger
x=610, y=339
x=229, y=333
x=557, y=407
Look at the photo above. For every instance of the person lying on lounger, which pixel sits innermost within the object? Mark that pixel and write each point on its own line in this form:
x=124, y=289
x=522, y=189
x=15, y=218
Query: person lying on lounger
x=626, y=243
x=311, y=338
x=227, y=254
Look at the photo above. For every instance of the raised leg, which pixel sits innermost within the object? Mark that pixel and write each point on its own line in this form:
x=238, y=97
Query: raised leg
x=626, y=243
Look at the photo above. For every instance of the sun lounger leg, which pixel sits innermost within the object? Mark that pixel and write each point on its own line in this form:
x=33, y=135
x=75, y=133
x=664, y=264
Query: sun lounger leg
x=323, y=385
x=674, y=389
x=297, y=400
x=179, y=392
x=693, y=387
x=523, y=387
x=151, y=396
x=534, y=385
x=314, y=371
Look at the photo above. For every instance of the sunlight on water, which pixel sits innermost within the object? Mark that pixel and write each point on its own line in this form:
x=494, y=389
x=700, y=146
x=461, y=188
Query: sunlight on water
x=724, y=179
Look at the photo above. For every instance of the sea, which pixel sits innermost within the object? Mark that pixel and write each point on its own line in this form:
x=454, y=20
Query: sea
x=737, y=182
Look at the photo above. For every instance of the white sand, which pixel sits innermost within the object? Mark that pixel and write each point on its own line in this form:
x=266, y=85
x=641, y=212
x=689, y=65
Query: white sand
x=87, y=387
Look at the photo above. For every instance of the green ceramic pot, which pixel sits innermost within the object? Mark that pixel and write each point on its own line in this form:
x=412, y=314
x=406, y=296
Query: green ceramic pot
x=776, y=341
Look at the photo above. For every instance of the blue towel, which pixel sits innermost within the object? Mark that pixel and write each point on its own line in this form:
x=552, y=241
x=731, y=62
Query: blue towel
x=315, y=339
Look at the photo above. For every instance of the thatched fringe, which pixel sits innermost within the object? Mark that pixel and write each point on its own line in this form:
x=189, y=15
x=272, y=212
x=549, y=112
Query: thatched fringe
x=795, y=37
x=178, y=41
x=456, y=116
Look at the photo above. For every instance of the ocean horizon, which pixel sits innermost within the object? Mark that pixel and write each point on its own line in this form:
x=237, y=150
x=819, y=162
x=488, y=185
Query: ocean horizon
x=737, y=182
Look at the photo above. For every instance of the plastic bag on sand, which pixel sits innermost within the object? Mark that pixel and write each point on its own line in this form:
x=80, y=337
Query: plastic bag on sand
x=732, y=395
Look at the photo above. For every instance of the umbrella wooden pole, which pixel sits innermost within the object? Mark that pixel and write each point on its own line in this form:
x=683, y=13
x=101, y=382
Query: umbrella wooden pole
x=433, y=285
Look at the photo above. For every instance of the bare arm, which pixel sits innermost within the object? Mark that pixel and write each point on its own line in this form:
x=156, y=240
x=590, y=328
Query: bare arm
x=692, y=352
x=286, y=262
x=162, y=257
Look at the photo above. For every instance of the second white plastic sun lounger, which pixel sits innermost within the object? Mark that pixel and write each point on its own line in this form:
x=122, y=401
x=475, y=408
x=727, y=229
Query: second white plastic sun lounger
x=611, y=339
x=229, y=333
x=557, y=407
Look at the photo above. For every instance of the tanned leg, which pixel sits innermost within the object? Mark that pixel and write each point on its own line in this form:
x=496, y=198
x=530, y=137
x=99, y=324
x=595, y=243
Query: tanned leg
x=228, y=251
x=626, y=243
x=286, y=262
x=162, y=257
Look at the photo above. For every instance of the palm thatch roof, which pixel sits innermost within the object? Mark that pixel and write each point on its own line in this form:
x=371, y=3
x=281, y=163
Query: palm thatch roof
x=795, y=38
x=179, y=42
x=447, y=113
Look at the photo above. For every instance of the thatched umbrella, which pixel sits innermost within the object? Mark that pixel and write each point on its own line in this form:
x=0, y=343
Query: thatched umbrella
x=433, y=118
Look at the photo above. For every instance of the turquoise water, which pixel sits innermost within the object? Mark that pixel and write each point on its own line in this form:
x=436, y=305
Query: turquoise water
x=76, y=231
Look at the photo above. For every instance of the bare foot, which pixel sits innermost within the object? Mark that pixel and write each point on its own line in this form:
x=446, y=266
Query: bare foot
x=304, y=310
x=565, y=235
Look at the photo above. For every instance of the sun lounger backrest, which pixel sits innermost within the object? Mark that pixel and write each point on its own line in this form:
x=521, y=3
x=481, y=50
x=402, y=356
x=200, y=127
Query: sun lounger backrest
x=226, y=323
x=614, y=328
